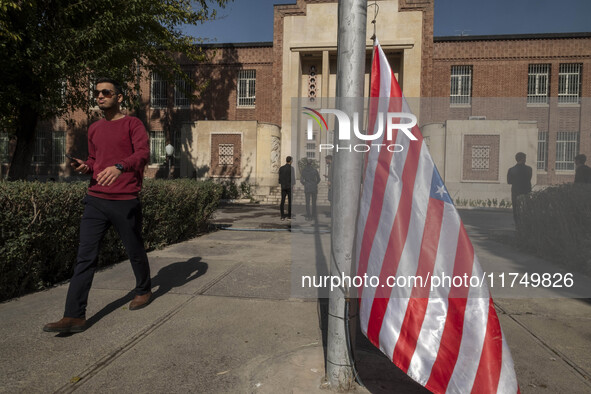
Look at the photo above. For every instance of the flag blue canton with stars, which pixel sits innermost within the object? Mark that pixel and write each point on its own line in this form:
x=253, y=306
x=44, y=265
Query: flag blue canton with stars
x=438, y=190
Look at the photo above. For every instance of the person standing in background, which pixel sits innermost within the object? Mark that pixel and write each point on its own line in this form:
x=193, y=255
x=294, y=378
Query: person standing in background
x=582, y=171
x=287, y=181
x=519, y=177
x=310, y=179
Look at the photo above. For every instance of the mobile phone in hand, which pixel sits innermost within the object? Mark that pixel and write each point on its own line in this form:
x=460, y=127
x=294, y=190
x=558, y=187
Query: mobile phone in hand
x=70, y=157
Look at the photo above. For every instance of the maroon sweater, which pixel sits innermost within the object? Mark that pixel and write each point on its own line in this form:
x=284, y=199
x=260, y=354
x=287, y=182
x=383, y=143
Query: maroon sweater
x=123, y=141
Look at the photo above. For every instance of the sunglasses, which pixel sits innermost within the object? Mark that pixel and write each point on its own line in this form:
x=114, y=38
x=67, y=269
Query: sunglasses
x=106, y=93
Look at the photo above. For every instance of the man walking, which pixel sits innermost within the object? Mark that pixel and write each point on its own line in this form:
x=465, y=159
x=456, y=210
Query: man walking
x=310, y=179
x=582, y=171
x=286, y=180
x=519, y=177
x=118, y=150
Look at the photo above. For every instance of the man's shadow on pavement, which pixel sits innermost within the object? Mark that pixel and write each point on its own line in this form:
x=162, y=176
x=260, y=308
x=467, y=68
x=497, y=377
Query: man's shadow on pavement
x=167, y=278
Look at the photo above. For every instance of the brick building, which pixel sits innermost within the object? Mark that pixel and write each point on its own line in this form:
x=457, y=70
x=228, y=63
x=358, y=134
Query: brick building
x=540, y=83
x=479, y=99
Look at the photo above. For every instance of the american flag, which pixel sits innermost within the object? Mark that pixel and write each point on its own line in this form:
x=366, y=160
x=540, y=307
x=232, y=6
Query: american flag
x=446, y=337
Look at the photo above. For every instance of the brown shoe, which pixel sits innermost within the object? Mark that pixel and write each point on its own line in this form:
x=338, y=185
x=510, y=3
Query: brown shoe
x=66, y=325
x=140, y=301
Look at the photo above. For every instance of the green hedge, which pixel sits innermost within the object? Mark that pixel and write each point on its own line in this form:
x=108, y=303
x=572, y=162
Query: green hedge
x=40, y=223
x=556, y=223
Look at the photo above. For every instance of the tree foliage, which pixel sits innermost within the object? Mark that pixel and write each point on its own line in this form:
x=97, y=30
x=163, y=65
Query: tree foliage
x=53, y=49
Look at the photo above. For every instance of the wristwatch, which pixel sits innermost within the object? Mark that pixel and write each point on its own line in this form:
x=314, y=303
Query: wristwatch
x=119, y=167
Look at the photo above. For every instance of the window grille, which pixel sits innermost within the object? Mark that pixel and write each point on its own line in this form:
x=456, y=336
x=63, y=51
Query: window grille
x=567, y=147
x=180, y=97
x=246, y=88
x=39, y=151
x=157, y=151
x=58, y=147
x=4, y=147
x=158, y=91
x=480, y=157
x=569, y=83
x=461, y=85
x=226, y=154
x=538, y=82
x=542, y=162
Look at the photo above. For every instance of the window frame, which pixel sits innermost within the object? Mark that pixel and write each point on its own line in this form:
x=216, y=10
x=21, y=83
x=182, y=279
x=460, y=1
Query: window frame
x=40, y=149
x=180, y=97
x=158, y=87
x=246, y=89
x=58, y=147
x=535, y=78
x=569, y=90
x=225, y=156
x=157, y=147
x=458, y=94
x=565, y=155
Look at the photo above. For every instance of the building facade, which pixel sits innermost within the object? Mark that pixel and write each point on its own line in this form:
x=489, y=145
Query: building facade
x=479, y=100
x=493, y=96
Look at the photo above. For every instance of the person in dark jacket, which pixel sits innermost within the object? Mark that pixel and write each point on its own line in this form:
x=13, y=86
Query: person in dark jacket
x=287, y=181
x=310, y=179
x=582, y=171
x=519, y=177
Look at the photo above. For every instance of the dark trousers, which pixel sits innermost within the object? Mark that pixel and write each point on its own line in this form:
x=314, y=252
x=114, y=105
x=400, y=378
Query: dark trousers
x=285, y=193
x=311, y=212
x=99, y=215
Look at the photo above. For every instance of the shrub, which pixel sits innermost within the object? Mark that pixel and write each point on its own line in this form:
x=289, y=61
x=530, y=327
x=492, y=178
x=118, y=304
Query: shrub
x=232, y=191
x=556, y=223
x=40, y=224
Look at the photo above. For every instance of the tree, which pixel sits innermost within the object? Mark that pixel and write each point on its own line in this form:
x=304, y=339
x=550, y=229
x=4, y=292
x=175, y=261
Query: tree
x=52, y=50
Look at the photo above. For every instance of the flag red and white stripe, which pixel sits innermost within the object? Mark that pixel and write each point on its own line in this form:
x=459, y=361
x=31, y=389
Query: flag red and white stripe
x=447, y=338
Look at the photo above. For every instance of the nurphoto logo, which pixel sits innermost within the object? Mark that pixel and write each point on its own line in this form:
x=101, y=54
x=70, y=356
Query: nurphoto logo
x=393, y=121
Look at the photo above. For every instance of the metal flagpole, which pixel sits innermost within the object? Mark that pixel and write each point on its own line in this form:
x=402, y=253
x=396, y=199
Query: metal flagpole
x=352, y=21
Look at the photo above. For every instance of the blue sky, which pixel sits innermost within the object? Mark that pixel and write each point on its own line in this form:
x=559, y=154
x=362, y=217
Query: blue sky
x=252, y=20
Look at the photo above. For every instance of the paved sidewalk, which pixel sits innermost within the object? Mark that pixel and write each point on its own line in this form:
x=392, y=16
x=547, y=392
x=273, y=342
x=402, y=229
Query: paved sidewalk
x=228, y=318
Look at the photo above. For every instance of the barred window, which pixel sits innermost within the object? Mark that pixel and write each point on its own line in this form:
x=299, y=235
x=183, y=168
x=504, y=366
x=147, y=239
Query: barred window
x=538, y=82
x=58, y=147
x=158, y=91
x=542, y=161
x=4, y=147
x=40, y=150
x=461, y=85
x=567, y=147
x=246, y=88
x=180, y=97
x=569, y=83
x=480, y=157
x=158, y=146
x=157, y=143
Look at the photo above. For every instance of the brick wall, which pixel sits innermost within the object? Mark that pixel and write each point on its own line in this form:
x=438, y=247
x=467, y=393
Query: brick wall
x=222, y=144
x=481, y=158
x=500, y=82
